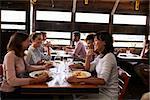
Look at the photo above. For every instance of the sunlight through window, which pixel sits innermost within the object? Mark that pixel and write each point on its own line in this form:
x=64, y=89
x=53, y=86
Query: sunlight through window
x=53, y=16
x=92, y=17
x=129, y=19
x=13, y=16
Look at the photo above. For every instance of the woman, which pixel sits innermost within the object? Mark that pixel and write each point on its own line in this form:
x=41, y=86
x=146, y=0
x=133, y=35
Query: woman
x=34, y=55
x=15, y=70
x=106, y=68
x=46, y=46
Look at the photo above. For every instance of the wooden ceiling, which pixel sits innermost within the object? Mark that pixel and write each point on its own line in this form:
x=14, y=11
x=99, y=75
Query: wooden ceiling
x=104, y=6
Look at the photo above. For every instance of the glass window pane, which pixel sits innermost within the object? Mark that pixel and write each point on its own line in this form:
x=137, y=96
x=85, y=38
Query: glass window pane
x=65, y=35
x=120, y=37
x=129, y=19
x=84, y=35
x=13, y=16
x=128, y=44
x=52, y=34
x=53, y=16
x=12, y=26
x=92, y=17
x=59, y=42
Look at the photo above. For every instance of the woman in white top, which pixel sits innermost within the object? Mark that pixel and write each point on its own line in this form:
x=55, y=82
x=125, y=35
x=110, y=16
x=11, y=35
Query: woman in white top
x=34, y=55
x=105, y=66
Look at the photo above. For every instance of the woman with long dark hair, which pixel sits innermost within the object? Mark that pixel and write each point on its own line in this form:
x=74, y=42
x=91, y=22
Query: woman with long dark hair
x=105, y=66
x=15, y=69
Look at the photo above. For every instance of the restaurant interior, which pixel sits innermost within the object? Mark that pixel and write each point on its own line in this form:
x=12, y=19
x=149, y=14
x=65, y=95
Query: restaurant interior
x=127, y=21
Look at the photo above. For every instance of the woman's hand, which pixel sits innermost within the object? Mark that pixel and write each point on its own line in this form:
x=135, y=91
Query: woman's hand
x=41, y=62
x=48, y=65
x=47, y=44
x=73, y=79
x=90, y=52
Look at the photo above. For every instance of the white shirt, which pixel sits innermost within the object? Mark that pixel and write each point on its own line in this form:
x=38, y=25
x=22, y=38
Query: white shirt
x=34, y=55
x=106, y=68
x=80, y=50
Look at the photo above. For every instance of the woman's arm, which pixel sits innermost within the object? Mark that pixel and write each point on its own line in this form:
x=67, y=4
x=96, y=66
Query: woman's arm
x=9, y=67
x=35, y=68
x=88, y=59
x=92, y=80
x=39, y=67
x=12, y=79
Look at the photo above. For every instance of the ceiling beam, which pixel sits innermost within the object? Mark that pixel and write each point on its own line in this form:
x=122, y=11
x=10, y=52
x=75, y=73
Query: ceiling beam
x=115, y=7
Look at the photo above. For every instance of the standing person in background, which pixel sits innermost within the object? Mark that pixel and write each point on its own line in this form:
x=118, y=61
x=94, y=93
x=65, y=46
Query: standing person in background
x=15, y=69
x=34, y=55
x=145, y=50
x=79, y=52
x=105, y=65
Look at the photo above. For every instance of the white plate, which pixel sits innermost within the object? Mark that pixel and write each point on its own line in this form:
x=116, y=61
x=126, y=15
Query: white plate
x=35, y=74
x=81, y=74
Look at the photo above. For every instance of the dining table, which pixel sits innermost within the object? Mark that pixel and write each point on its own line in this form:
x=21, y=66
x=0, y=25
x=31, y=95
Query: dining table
x=58, y=82
x=61, y=54
x=130, y=57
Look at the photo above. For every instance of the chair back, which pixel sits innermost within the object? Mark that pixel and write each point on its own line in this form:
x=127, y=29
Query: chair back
x=1, y=72
x=123, y=82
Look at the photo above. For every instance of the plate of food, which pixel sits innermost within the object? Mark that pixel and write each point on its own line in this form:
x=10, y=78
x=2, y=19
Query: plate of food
x=81, y=74
x=36, y=74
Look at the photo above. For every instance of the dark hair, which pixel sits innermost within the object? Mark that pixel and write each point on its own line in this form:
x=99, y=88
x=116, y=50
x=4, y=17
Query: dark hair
x=105, y=36
x=34, y=36
x=15, y=43
x=90, y=37
x=76, y=33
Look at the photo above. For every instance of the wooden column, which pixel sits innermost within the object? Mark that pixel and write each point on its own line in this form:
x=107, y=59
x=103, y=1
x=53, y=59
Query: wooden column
x=74, y=4
x=147, y=27
x=0, y=39
x=111, y=15
x=34, y=18
x=110, y=23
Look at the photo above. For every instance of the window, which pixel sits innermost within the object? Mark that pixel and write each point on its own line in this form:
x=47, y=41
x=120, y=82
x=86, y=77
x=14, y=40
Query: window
x=12, y=26
x=128, y=37
x=13, y=16
x=128, y=40
x=129, y=19
x=59, y=42
x=128, y=44
x=92, y=17
x=84, y=35
x=58, y=38
x=65, y=35
x=53, y=16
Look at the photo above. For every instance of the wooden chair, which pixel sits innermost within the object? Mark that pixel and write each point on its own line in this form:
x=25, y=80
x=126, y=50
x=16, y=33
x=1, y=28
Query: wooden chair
x=123, y=82
x=1, y=73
